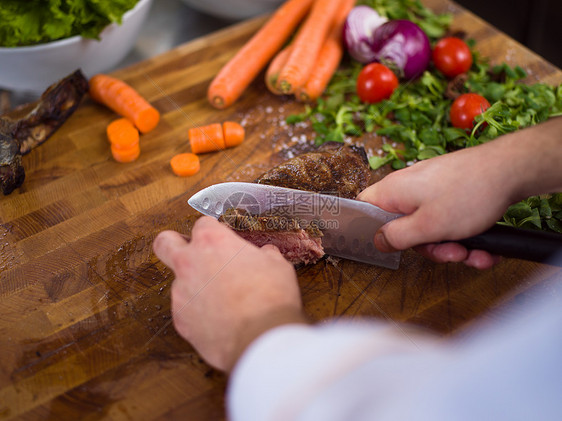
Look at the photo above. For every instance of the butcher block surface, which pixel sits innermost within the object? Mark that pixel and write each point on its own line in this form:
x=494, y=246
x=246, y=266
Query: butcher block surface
x=85, y=325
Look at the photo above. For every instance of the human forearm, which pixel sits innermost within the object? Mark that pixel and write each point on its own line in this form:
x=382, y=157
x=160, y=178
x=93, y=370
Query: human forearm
x=372, y=370
x=282, y=374
x=533, y=159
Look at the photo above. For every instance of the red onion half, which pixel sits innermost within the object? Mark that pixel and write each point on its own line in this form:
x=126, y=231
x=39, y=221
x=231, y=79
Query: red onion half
x=402, y=46
x=361, y=23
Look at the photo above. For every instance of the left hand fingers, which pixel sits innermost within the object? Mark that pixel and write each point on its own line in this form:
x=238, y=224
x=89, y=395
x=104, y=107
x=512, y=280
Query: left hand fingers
x=170, y=246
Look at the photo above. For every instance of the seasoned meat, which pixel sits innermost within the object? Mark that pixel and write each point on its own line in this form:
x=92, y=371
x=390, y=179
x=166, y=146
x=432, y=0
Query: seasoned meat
x=18, y=137
x=299, y=243
x=334, y=168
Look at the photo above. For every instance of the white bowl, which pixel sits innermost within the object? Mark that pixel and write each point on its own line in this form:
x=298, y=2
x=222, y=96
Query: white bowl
x=234, y=9
x=32, y=69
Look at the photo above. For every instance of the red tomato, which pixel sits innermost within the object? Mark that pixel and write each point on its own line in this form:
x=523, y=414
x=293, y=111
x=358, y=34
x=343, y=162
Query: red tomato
x=452, y=56
x=375, y=83
x=465, y=108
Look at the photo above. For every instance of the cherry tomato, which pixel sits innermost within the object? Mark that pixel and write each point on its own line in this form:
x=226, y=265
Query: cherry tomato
x=465, y=108
x=452, y=56
x=375, y=83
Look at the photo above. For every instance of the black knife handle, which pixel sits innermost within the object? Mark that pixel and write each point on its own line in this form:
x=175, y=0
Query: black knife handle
x=527, y=244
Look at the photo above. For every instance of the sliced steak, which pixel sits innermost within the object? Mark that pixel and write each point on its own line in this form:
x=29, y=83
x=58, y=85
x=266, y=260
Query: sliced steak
x=299, y=243
x=334, y=168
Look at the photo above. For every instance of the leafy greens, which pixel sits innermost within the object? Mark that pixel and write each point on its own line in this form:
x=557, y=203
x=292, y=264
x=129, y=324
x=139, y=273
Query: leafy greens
x=38, y=21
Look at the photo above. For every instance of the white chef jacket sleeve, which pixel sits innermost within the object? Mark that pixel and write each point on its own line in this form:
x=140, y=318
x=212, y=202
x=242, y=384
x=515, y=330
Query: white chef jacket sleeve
x=384, y=371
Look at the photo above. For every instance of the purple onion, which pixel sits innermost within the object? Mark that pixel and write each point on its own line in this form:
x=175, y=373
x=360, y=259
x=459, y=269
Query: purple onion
x=402, y=46
x=358, y=32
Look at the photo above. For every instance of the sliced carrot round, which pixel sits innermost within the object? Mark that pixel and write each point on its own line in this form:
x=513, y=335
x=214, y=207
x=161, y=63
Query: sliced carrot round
x=206, y=138
x=122, y=134
x=185, y=164
x=125, y=155
x=233, y=133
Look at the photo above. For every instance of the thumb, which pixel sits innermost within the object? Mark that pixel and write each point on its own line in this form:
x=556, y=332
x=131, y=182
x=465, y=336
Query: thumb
x=273, y=251
x=405, y=232
x=271, y=248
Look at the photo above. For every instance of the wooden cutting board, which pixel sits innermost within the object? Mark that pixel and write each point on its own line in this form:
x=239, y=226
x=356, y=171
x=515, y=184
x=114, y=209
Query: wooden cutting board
x=85, y=327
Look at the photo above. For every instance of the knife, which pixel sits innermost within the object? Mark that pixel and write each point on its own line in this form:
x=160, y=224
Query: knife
x=349, y=225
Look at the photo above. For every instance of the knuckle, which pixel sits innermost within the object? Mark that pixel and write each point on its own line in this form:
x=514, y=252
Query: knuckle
x=206, y=237
x=207, y=232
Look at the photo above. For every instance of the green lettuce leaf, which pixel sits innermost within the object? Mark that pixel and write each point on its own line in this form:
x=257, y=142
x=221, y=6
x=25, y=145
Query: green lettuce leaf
x=38, y=21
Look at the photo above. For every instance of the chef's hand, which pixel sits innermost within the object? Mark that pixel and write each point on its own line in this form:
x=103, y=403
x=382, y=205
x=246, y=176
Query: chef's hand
x=463, y=193
x=226, y=291
x=446, y=198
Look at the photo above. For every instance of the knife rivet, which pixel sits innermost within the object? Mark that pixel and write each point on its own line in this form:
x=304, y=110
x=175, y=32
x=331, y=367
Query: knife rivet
x=218, y=208
x=206, y=203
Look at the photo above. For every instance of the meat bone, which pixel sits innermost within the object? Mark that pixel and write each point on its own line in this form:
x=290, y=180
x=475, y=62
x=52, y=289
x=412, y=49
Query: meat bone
x=20, y=136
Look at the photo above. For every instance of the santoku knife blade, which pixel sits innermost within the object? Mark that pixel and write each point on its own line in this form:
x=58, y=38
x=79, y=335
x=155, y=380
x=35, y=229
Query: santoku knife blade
x=348, y=225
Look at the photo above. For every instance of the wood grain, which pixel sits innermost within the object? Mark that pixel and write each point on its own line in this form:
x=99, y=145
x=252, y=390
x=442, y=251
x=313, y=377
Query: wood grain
x=85, y=327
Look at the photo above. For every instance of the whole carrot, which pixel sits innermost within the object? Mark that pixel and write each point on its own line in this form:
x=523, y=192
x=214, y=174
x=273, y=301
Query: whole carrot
x=241, y=70
x=307, y=45
x=125, y=101
x=272, y=73
x=328, y=59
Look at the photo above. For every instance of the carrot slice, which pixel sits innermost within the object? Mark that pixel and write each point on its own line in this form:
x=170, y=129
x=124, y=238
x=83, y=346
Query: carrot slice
x=125, y=155
x=206, y=138
x=272, y=73
x=233, y=133
x=122, y=134
x=125, y=101
x=185, y=164
x=328, y=59
x=307, y=45
x=238, y=73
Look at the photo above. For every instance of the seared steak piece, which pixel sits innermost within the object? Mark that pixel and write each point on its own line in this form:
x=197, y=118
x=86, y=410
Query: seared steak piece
x=18, y=137
x=299, y=243
x=334, y=168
